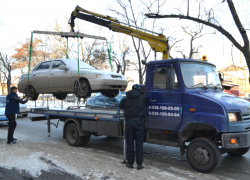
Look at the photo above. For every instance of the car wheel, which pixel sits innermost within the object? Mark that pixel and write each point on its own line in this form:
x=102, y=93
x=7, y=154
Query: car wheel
x=30, y=92
x=238, y=152
x=110, y=93
x=60, y=96
x=25, y=115
x=73, y=137
x=203, y=155
x=83, y=89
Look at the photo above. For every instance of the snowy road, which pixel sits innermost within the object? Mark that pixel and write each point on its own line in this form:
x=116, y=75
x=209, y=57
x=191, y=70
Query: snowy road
x=37, y=156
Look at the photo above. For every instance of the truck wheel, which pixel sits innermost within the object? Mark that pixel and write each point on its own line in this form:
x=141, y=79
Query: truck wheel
x=25, y=115
x=203, y=155
x=238, y=152
x=73, y=136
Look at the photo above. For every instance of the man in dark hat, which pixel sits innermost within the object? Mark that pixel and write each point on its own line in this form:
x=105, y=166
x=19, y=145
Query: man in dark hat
x=11, y=109
x=134, y=105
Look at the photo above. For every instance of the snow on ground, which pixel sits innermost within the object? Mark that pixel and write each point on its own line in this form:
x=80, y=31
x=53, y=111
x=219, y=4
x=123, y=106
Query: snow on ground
x=37, y=153
x=33, y=157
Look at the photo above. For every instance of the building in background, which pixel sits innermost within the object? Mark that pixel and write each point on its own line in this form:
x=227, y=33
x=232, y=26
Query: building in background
x=236, y=79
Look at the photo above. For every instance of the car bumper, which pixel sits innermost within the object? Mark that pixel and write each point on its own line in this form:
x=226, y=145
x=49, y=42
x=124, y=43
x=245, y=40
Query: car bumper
x=3, y=118
x=24, y=111
x=105, y=84
x=242, y=140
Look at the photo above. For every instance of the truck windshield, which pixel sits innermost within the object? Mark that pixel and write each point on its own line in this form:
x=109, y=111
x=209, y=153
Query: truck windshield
x=200, y=75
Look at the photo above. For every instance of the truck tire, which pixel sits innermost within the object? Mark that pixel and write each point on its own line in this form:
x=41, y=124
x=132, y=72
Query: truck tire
x=203, y=155
x=238, y=152
x=73, y=136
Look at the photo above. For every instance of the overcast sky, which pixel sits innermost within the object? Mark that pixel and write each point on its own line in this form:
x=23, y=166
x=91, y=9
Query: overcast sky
x=19, y=17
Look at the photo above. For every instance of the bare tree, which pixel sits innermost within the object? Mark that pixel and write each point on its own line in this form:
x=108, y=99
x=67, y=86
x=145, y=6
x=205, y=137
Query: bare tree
x=194, y=34
x=208, y=18
x=6, y=69
x=120, y=58
x=134, y=16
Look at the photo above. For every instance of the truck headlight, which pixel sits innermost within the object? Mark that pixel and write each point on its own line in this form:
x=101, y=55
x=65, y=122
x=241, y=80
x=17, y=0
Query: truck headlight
x=232, y=117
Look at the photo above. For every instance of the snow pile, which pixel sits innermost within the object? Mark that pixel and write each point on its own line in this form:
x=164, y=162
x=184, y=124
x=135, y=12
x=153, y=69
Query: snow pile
x=21, y=159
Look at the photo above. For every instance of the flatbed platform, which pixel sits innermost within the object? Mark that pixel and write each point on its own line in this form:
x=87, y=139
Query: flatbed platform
x=82, y=113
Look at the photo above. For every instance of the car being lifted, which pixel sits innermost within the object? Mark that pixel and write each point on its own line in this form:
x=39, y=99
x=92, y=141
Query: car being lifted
x=60, y=77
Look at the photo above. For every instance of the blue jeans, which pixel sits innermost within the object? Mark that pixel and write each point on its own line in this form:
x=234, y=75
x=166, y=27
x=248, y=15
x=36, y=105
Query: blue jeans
x=134, y=132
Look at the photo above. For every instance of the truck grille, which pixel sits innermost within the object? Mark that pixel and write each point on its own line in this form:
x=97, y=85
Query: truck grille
x=245, y=117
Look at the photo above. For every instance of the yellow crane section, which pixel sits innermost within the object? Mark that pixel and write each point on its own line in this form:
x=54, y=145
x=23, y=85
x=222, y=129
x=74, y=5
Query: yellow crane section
x=157, y=42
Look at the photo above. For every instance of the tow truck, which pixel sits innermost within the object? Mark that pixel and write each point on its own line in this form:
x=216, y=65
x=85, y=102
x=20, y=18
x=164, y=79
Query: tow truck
x=186, y=109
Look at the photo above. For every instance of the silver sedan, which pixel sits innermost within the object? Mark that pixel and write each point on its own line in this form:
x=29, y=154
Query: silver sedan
x=60, y=77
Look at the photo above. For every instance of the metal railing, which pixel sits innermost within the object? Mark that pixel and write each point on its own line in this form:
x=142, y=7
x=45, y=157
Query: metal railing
x=49, y=101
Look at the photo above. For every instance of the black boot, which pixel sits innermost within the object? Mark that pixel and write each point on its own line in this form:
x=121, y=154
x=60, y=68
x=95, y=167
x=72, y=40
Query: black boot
x=129, y=165
x=139, y=167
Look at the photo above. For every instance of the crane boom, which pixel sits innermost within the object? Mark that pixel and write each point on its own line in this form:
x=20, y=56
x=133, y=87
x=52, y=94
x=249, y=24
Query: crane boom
x=158, y=43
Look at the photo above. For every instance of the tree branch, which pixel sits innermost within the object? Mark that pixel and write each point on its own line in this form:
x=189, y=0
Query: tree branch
x=219, y=28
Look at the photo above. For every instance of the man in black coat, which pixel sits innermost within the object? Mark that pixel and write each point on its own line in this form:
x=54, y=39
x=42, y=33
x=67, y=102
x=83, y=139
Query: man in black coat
x=134, y=105
x=11, y=109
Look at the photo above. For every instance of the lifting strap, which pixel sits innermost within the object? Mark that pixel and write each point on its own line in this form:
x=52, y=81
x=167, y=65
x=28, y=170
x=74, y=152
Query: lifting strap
x=31, y=41
x=109, y=54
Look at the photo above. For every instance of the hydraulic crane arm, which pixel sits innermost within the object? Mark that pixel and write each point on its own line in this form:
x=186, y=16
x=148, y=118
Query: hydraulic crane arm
x=158, y=43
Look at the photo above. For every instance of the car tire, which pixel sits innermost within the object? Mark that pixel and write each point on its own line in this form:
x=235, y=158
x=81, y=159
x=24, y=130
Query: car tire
x=110, y=93
x=203, y=155
x=238, y=152
x=25, y=115
x=83, y=89
x=60, y=96
x=30, y=92
x=73, y=137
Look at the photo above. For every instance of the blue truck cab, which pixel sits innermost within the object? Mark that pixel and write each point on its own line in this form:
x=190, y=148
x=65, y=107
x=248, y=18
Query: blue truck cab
x=187, y=108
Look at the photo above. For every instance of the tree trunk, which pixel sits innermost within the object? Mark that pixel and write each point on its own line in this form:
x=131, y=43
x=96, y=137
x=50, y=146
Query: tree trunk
x=8, y=85
x=246, y=54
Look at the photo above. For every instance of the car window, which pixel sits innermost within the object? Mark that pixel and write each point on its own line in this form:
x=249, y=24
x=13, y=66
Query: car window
x=2, y=105
x=100, y=100
x=44, y=66
x=57, y=64
x=111, y=101
x=3, y=100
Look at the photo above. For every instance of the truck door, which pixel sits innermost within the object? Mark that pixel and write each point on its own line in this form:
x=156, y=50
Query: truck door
x=164, y=98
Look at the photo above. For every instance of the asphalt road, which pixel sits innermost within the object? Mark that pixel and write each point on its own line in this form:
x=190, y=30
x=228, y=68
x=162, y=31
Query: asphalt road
x=159, y=156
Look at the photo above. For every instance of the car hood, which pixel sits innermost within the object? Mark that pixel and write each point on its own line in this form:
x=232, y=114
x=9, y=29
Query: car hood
x=229, y=101
x=23, y=105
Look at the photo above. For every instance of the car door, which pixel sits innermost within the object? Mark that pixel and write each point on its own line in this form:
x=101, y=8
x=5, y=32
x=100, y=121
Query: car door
x=59, y=80
x=40, y=77
x=165, y=98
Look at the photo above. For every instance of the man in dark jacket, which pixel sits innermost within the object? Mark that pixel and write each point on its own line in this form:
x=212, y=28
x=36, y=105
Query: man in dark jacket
x=11, y=109
x=134, y=105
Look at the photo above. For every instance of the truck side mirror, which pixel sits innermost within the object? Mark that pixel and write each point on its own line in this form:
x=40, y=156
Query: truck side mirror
x=221, y=78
